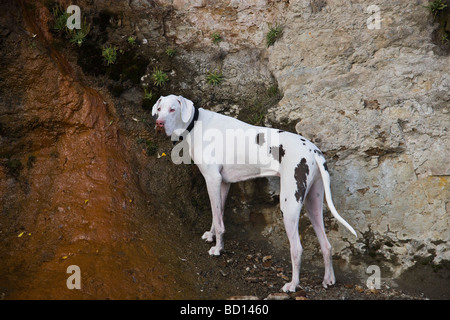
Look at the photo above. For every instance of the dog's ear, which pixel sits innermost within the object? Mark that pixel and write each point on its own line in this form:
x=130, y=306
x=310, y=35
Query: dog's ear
x=187, y=107
x=155, y=107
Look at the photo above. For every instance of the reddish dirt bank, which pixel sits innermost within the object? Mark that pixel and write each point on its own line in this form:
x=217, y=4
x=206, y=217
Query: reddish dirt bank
x=68, y=193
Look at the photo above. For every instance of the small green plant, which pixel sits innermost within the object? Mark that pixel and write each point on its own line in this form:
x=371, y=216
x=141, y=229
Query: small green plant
x=148, y=95
x=109, y=54
x=159, y=77
x=60, y=17
x=132, y=40
x=216, y=37
x=255, y=111
x=273, y=92
x=445, y=36
x=214, y=77
x=78, y=36
x=171, y=52
x=273, y=35
x=436, y=7
x=257, y=119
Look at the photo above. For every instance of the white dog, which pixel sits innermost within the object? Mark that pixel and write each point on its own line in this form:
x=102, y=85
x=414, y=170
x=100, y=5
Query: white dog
x=227, y=150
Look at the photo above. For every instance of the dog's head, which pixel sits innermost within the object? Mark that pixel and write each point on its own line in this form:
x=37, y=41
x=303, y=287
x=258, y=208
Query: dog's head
x=173, y=113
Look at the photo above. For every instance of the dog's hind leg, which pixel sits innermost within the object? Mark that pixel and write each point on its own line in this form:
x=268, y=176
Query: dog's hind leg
x=314, y=206
x=290, y=209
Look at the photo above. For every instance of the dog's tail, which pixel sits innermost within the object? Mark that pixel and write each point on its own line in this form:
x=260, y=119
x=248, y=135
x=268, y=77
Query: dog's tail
x=326, y=185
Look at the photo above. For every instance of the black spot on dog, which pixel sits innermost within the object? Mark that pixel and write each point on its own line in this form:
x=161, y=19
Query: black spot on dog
x=260, y=139
x=302, y=139
x=277, y=153
x=300, y=174
x=280, y=131
x=318, y=152
x=325, y=166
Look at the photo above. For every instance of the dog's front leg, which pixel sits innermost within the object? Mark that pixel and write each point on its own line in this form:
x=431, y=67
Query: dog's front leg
x=214, y=186
x=208, y=236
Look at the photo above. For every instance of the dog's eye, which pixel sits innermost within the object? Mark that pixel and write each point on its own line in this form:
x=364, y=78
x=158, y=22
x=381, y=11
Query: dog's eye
x=172, y=110
x=159, y=109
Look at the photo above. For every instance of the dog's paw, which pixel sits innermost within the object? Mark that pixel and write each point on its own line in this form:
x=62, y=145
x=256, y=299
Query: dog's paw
x=328, y=282
x=289, y=287
x=208, y=236
x=215, y=251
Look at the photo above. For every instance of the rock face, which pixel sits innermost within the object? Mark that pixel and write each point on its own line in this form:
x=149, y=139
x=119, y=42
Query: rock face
x=376, y=101
x=372, y=94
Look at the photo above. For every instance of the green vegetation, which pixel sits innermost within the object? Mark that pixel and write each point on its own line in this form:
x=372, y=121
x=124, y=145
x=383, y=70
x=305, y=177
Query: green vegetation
x=273, y=93
x=109, y=54
x=214, y=77
x=78, y=36
x=60, y=17
x=216, y=38
x=159, y=77
x=273, y=35
x=171, y=52
x=445, y=37
x=148, y=95
x=257, y=119
x=131, y=40
x=436, y=7
x=255, y=112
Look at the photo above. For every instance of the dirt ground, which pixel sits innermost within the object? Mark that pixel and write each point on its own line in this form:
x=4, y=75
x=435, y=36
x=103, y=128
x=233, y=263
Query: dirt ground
x=252, y=268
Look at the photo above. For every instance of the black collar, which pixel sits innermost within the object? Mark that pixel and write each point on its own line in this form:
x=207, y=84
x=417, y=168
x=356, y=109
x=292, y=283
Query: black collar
x=190, y=126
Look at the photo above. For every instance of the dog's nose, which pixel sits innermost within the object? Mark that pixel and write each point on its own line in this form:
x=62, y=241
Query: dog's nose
x=160, y=123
